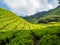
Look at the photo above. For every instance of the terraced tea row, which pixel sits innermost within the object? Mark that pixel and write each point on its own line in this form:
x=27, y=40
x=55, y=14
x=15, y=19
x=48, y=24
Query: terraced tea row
x=46, y=36
x=9, y=21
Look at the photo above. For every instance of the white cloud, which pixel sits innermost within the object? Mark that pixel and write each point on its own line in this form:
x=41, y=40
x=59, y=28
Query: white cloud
x=50, y=6
x=28, y=7
x=54, y=3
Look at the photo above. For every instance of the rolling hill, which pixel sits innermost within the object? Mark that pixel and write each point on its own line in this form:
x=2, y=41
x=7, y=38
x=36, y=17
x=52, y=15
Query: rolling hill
x=10, y=21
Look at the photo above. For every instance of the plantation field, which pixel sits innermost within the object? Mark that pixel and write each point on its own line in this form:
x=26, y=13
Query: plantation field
x=10, y=21
x=47, y=36
x=14, y=30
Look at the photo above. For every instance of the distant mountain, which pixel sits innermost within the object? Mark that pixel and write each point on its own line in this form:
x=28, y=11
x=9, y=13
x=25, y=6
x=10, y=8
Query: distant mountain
x=34, y=18
x=52, y=16
x=37, y=18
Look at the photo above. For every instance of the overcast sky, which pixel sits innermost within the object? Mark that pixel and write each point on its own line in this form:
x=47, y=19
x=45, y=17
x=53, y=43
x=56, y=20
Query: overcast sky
x=28, y=7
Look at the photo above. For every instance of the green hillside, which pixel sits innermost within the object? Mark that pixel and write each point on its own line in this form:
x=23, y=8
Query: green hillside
x=10, y=21
x=52, y=16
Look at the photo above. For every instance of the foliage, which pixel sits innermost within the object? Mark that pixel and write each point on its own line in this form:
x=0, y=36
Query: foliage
x=49, y=40
x=47, y=36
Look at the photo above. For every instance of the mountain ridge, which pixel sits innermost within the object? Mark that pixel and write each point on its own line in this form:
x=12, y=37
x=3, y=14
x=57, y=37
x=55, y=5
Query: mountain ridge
x=35, y=18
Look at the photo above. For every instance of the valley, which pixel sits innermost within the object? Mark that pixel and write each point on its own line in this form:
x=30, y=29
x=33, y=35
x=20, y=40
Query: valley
x=15, y=30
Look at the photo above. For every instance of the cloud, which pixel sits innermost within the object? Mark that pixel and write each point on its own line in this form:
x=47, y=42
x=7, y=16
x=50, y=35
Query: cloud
x=28, y=7
x=54, y=3
x=50, y=6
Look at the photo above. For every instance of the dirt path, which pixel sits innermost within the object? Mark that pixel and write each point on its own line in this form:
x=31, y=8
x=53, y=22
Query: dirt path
x=35, y=38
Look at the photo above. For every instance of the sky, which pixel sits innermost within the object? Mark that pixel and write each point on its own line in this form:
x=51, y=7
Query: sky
x=28, y=7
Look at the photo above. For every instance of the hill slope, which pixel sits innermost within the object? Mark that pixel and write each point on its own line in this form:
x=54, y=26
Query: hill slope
x=45, y=15
x=10, y=21
x=52, y=16
x=34, y=18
